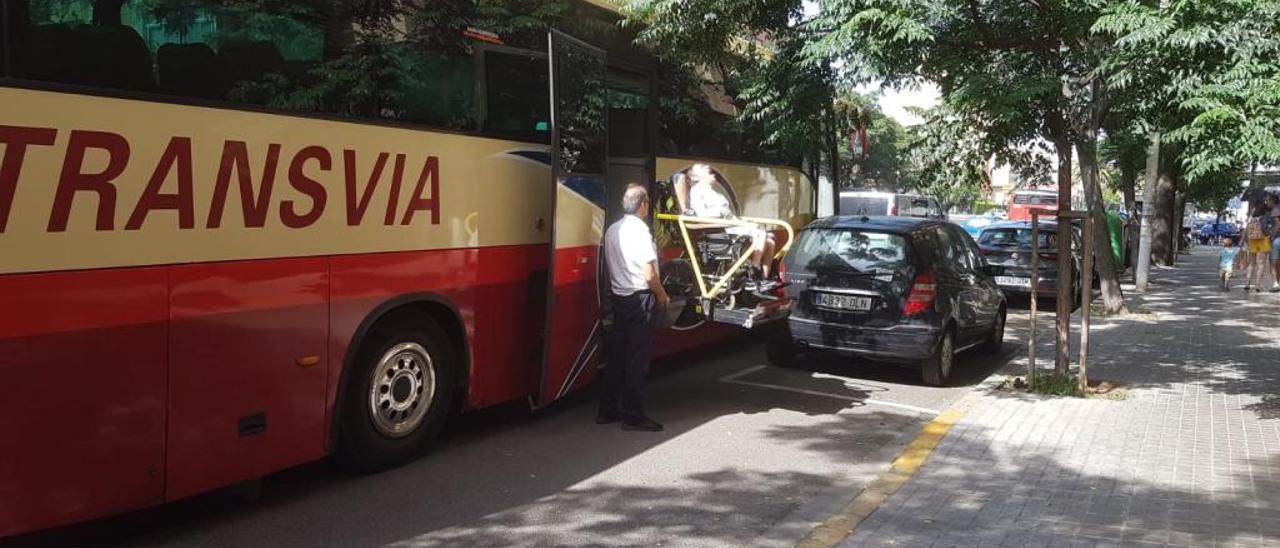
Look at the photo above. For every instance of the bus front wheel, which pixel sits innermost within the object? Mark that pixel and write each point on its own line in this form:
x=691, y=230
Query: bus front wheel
x=398, y=395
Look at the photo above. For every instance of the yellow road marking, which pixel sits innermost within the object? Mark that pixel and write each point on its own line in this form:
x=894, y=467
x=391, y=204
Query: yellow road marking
x=838, y=527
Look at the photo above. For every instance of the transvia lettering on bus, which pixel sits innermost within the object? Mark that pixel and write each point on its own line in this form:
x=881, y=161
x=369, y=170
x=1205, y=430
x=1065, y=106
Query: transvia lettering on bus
x=80, y=179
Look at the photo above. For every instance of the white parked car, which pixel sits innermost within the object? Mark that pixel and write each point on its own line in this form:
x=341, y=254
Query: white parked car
x=873, y=203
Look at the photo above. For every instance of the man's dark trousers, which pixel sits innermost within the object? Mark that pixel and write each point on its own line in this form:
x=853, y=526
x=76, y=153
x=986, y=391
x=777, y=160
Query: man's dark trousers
x=627, y=365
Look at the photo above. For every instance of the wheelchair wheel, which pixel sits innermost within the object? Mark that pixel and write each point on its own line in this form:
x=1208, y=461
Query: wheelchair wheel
x=728, y=297
x=678, y=280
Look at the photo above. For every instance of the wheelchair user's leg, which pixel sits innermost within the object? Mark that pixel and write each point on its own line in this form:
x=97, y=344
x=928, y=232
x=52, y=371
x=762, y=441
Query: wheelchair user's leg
x=770, y=248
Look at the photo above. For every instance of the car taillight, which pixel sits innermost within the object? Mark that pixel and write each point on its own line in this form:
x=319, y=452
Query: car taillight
x=893, y=210
x=923, y=293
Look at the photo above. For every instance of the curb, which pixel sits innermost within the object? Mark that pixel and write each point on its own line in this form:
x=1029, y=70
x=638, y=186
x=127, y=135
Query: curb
x=842, y=524
x=839, y=526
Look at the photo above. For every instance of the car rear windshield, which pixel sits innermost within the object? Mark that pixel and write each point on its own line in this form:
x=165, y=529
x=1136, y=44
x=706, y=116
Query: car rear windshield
x=1035, y=199
x=913, y=206
x=831, y=249
x=864, y=205
x=1019, y=237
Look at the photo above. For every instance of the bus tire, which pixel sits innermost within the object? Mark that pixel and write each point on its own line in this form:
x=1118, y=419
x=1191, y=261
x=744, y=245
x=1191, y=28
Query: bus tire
x=398, y=394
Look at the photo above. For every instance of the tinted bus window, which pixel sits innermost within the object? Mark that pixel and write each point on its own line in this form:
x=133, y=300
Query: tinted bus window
x=292, y=55
x=194, y=49
x=516, y=96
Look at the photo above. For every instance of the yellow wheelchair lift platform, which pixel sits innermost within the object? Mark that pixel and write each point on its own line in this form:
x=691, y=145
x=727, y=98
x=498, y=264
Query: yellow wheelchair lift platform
x=769, y=309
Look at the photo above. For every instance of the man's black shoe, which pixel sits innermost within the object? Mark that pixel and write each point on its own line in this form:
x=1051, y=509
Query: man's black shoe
x=642, y=425
x=605, y=417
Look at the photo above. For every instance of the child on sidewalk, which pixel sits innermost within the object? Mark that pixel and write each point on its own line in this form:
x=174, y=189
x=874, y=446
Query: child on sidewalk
x=1227, y=263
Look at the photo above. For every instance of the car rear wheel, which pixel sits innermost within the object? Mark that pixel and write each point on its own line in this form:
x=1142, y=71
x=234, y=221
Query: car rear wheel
x=995, y=339
x=780, y=348
x=937, y=368
x=398, y=393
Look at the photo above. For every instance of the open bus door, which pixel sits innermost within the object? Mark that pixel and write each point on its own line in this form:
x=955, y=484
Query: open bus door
x=573, y=340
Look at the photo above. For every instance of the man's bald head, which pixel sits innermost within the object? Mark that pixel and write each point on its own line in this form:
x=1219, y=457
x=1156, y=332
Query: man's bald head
x=634, y=198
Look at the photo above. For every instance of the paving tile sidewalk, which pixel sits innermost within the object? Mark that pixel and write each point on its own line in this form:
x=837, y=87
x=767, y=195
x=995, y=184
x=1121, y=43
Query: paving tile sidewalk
x=1191, y=458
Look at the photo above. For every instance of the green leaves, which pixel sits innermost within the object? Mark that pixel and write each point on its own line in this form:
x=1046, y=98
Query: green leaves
x=1216, y=66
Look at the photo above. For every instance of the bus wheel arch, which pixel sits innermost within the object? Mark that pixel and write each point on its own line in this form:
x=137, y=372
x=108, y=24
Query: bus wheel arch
x=405, y=368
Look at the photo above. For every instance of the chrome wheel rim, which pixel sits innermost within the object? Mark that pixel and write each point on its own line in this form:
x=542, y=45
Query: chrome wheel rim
x=402, y=388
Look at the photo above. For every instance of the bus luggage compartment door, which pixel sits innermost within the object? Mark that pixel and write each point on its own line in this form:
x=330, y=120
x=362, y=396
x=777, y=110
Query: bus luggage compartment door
x=579, y=143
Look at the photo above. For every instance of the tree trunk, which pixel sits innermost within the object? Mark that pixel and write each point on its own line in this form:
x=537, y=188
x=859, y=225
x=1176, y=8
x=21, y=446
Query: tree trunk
x=1162, y=221
x=1128, y=188
x=1180, y=214
x=833, y=148
x=1063, y=300
x=1103, y=259
x=107, y=12
x=1142, y=271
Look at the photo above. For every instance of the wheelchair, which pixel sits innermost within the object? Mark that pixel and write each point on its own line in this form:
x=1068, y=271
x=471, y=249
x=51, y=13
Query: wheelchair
x=712, y=278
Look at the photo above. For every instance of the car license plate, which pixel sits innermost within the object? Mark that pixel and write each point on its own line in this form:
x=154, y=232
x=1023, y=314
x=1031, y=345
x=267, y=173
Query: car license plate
x=1013, y=282
x=843, y=302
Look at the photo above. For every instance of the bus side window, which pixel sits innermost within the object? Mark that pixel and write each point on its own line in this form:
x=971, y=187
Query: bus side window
x=516, y=102
x=291, y=56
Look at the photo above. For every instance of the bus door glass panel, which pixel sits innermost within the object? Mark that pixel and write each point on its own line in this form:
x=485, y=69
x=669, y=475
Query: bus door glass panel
x=579, y=146
x=631, y=133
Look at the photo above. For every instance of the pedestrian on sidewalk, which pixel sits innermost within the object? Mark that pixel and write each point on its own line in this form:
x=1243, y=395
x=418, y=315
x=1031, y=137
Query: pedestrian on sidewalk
x=1227, y=262
x=1272, y=205
x=636, y=295
x=1259, y=245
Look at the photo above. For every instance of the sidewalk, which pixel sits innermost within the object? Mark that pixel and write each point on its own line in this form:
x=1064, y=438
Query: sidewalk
x=1191, y=458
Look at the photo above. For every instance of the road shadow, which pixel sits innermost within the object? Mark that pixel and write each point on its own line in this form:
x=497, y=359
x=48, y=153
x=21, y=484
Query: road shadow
x=495, y=473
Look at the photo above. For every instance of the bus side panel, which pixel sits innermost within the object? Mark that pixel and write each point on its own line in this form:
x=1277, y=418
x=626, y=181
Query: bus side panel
x=362, y=283
x=510, y=313
x=247, y=370
x=576, y=345
x=82, y=395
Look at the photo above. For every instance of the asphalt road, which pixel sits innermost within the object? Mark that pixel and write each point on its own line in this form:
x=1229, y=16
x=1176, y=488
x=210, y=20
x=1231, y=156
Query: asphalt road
x=752, y=455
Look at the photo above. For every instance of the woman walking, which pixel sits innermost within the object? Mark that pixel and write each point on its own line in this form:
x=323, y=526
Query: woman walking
x=1258, y=246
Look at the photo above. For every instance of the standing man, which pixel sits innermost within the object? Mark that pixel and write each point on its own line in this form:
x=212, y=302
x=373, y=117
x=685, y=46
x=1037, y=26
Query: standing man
x=1272, y=205
x=636, y=295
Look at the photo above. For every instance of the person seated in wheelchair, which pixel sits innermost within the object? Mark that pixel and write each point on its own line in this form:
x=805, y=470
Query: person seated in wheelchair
x=704, y=200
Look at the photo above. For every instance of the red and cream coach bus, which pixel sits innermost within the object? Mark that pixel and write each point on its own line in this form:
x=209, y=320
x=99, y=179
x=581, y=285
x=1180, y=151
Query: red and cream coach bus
x=236, y=236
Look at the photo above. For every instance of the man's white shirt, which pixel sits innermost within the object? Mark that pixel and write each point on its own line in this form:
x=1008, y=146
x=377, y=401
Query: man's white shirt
x=628, y=249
